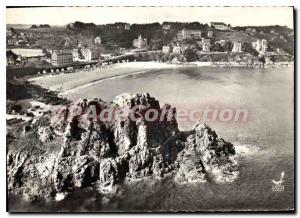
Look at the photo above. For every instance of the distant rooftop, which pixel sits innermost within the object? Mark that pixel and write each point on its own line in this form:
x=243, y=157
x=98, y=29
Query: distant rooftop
x=217, y=23
x=64, y=51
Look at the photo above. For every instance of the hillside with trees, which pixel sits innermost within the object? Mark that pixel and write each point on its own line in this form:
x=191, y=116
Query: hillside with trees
x=115, y=36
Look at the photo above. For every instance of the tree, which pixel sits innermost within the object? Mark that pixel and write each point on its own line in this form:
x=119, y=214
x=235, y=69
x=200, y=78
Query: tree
x=83, y=26
x=44, y=26
x=165, y=57
x=247, y=47
x=182, y=58
x=11, y=57
x=262, y=60
x=190, y=55
x=13, y=30
x=217, y=47
x=228, y=46
x=46, y=53
x=11, y=54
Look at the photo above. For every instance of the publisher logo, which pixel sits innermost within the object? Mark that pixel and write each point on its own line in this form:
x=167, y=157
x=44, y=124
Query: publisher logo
x=277, y=185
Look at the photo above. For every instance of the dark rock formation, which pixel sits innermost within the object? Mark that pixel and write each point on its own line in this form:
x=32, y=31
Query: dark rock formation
x=80, y=149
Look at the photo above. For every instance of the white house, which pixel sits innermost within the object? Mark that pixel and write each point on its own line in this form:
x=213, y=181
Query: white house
x=260, y=45
x=188, y=34
x=209, y=34
x=61, y=57
x=166, y=49
x=97, y=40
x=237, y=47
x=140, y=42
x=220, y=26
x=85, y=55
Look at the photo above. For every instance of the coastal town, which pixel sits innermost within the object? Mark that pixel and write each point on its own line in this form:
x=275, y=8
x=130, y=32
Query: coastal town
x=139, y=109
x=49, y=64
x=45, y=49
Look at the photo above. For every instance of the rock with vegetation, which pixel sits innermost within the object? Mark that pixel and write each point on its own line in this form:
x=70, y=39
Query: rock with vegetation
x=84, y=150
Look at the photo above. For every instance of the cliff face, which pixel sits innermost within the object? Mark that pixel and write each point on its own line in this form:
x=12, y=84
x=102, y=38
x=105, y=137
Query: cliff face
x=79, y=150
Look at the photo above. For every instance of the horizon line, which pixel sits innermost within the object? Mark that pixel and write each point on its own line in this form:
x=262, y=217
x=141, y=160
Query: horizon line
x=147, y=23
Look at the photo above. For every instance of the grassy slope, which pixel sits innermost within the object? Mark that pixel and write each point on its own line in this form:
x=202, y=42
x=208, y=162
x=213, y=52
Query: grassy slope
x=234, y=36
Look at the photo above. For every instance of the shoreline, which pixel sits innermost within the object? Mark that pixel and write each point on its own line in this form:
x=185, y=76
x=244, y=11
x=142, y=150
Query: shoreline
x=77, y=88
x=68, y=83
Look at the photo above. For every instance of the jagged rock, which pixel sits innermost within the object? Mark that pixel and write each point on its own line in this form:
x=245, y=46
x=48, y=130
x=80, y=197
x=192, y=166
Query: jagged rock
x=75, y=172
x=112, y=171
x=16, y=169
x=137, y=106
x=99, y=145
x=124, y=136
x=158, y=166
x=138, y=99
x=140, y=162
x=208, y=155
x=46, y=133
x=190, y=167
x=29, y=173
x=106, y=152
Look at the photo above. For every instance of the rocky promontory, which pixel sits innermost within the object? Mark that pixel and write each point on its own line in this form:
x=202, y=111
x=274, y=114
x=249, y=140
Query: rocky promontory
x=82, y=146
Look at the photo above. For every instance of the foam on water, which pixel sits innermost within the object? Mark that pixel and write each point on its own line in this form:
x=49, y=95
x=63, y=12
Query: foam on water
x=246, y=149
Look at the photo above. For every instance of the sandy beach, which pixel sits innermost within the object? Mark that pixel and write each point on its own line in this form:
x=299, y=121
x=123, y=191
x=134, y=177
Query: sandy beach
x=68, y=83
